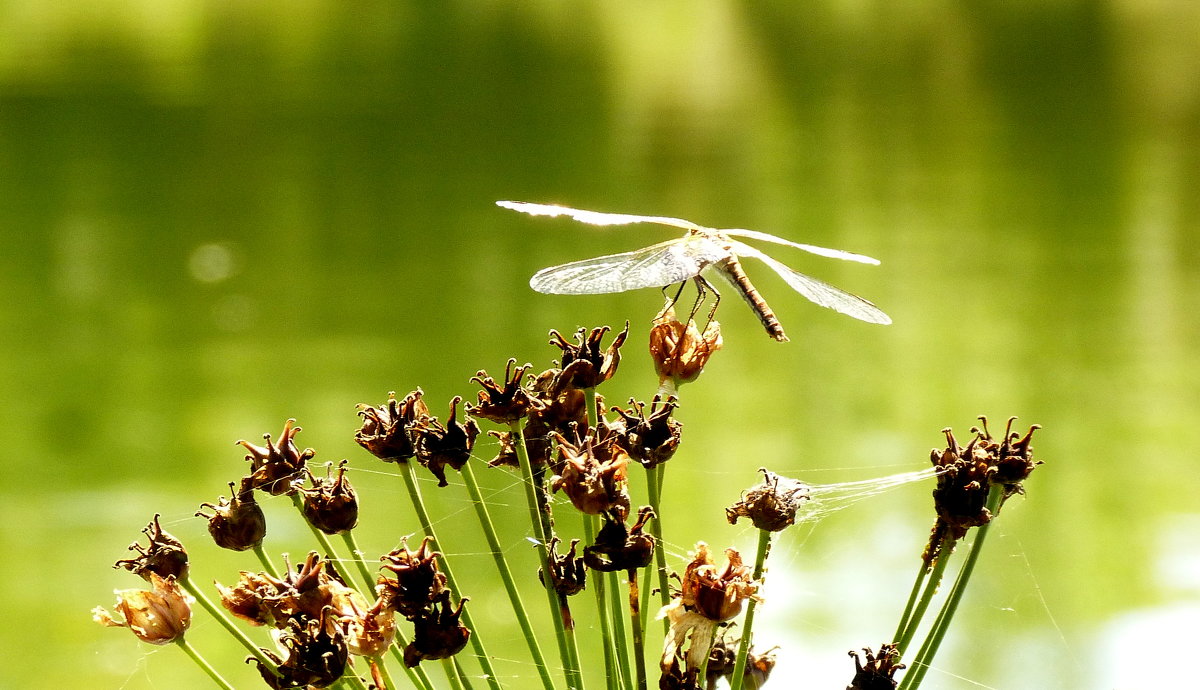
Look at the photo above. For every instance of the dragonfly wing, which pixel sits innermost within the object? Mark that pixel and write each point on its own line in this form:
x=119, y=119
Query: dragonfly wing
x=821, y=251
x=817, y=291
x=660, y=265
x=594, y=217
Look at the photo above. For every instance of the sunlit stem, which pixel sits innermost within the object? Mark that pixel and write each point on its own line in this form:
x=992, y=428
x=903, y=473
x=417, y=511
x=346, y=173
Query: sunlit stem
x=932, y=582
x=331, y=556
x=593, y=414
x=268, y=567
x=203, y=663
x=606, y=642
x=453, y=674
x=416, y=674
x=408, y=472
x=920, y=666
x=510, y=584
x=906, y=615
x=541, y=530
x=351, y=679
x=378, y=668
x=654, y=480
x=616, y=610
x=635, y=622
x=228, y=624
x=760, y=561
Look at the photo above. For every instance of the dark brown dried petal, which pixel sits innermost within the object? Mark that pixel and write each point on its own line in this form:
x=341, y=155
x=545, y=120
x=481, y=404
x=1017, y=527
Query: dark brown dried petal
x=278, y=469
x=418, y=583
x=585, y=365
x=439, y=446
x=317, y=655
x=567, y=571
x=620, y=548
x=438, y=634
x=504, y=403
x=652, y=440
x=877, y=673
x=385, y=429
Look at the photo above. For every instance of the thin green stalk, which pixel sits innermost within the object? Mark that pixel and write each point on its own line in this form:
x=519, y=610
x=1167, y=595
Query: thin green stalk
x=611, y=678
x=267, y=565
x=541, y=530
x=906, y=615
x=635, y=623
x=331, y=556
x=920, y=666
x=510, y=584
x=931, y=586
x=203, y=663
x=414, y=492
x=654, y=480
x=228, y=624
x=760, y=561
x=377, y=666
x=452, y=673
x=618, y=618
x=421, y=679
x=351, y=678
x=593, y=414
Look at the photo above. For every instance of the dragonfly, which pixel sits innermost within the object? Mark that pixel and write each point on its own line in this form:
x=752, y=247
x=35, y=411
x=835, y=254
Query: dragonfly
x=684, y=258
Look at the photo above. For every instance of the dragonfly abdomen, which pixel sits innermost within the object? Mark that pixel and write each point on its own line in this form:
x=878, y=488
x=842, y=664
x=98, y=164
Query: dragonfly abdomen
x=732, y=270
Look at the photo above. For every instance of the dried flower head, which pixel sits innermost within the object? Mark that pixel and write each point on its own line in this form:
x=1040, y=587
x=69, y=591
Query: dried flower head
x=372, y=632
x=877, y=673
x=680, y=350
x=164, y=555
x=259, y=599
x=237, y=523
x=438, y=633
x=585, y=365
x=158, y=616
x=504, y=403
x=651, y=440
x=771, y=505
x=384, y=431
x=418, y=582
x=315, y=654
x=304, y=594
x=593, y=475
x=619, y=548
x=278, y=469
x=439, y=446
x=717, y=593
x=331, y=504
x=568, y=573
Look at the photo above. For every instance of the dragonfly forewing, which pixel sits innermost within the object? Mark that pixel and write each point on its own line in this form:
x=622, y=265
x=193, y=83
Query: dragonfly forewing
x=659, y=265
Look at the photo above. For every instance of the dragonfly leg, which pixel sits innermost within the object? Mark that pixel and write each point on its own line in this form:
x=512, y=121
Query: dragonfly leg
x=670, y=301
x=702, y=288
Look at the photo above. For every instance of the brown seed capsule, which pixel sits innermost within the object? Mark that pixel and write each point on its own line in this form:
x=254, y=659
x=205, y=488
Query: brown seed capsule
x=593, y=475
x=680, y=350
x=316, y=654
x=717, y=593
x=771, y=505
x=620, y=548
x=585, y=365
x=504, y=403
x=437, y=634
x=259, y=599
x=723, y=658
x=568, y=573
x=159, y=616
x=877, y=673
x=164, y=555
x=331, y=504
x=385, y=429
x=439, y=446
x=237, y=523
x=418, y=583
x=650, y=440
x=278, y=469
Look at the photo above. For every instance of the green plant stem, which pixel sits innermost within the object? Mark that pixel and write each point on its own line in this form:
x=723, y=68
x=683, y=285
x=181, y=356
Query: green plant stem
x=906, y=615
x=331, y=556
x=932, y=582
x=452, y=674
x=228, y=624
x=654, y=480
x=510, y=585
x=618, y=631
x=760, y=562
x=377, y=664
x=920, y=665
x=414, y=492
x=635, y=623
x=268, y=567
x=593, y=413
x=202, y=663
x=351, y=678
x=611, y=679
x=539, y=524
x=416, y=674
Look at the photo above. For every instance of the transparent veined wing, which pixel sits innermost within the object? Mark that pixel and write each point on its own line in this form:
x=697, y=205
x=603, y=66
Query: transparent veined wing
x=812, y=249
x=659, y=265
x=817, y=291
x=595, y=217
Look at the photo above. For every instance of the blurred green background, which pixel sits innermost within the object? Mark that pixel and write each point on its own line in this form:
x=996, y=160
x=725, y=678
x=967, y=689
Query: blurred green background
x=217, y=216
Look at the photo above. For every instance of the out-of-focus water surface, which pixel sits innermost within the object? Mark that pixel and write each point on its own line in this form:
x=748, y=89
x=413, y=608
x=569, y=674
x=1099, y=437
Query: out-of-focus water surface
x=217, y=216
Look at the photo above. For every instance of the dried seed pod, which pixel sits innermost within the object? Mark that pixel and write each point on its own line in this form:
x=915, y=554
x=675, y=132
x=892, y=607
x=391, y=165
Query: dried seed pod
x=163, y=556
x=278, y=469
x=237, y=523
x=331, y=504
x=385, y=429
x=159, y=616
x=771, y=505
